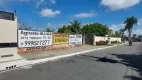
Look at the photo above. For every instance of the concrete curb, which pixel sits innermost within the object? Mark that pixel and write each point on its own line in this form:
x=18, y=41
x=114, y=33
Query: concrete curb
x=68, y=55
x=19, y=65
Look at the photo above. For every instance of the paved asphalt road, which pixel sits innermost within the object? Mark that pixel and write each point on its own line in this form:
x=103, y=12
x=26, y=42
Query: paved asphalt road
x=118, y=63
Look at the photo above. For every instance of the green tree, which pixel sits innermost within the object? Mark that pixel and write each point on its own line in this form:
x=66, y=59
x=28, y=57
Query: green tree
x=96, y=28
x=75, y=27
x=24, y=27
x=117, y=33
x=129, y=23
x=65, y=29
x=49, y=30
x=122, y=32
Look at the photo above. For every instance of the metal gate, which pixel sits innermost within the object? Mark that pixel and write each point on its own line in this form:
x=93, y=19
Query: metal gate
x=89, y=39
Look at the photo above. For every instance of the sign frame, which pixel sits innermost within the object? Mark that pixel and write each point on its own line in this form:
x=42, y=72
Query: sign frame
x=61, y=43
x=75, y=41
x=41, y=34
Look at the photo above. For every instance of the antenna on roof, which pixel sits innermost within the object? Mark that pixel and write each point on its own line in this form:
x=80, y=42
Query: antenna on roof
x=15, y=11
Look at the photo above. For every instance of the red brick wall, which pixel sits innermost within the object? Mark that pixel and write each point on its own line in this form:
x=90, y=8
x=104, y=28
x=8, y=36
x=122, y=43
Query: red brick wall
x=37, y=49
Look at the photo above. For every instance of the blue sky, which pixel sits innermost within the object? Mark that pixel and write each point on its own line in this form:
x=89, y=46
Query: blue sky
x=41, y=14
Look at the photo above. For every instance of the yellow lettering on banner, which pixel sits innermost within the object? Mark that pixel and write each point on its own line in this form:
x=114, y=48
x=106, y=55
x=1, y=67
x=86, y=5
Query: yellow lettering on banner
x=60, y=39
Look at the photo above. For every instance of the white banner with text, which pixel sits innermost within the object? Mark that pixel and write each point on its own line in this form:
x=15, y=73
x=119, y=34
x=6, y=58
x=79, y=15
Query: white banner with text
x=75, y=39
x=34, y=38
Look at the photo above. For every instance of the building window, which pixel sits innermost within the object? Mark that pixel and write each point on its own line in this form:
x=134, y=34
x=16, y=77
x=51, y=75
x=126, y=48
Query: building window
x=6, y=15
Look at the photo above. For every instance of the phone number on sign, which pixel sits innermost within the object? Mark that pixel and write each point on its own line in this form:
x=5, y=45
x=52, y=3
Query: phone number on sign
x=36, y=43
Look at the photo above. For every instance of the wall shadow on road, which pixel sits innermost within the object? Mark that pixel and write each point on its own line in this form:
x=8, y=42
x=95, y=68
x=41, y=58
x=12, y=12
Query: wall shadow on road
x=132, y=78
x=103, y=59
x=132, y=61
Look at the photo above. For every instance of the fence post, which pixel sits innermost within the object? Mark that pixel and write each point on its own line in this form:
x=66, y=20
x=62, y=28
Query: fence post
x=83, y=39
x=94, y=41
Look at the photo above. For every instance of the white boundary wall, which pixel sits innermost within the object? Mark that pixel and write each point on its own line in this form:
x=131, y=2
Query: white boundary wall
x=100, y=38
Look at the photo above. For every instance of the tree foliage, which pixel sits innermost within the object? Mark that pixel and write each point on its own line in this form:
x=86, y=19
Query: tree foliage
x=75, y=27
x=65, y=29
x=121, y=31
x=96, y=28
x=129, y=23
x=117, y=33
x=24, y=27
x=49, y=30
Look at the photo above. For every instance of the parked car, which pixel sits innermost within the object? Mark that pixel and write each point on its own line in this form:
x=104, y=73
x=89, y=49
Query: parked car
x=136, y=40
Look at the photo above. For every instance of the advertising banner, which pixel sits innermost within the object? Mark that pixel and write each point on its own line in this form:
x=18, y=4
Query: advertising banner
x=75, y=39
x=34, y=38
x=60, y=39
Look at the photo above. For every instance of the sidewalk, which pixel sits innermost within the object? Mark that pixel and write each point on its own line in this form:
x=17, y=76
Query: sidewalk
x=53, y=53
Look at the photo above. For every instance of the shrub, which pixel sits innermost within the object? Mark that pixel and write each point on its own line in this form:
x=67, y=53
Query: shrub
x=123, y=40
x=114, y=42
x=106, y=42
x=97, y=43
x=102, y=42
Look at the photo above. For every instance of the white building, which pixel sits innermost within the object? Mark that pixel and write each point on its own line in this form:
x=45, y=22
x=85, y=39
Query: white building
x=8, y=37
x=112, y=31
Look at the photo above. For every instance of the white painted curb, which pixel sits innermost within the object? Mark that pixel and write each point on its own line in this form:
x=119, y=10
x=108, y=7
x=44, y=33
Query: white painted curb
x=68, y=55
x=39, y=61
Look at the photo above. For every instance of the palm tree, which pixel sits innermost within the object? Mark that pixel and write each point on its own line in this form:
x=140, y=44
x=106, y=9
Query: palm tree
x=129, y=23
x=65, y=29
x=75, y=26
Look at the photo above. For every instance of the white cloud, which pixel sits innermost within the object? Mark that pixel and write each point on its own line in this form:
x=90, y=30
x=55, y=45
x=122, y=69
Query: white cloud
x=120, y=26
x=40, y=2
x=139, y=22
x=55, y=26
x=138, y=28
x=24, y=0
x=137, y=31
x=119, y=4
x=117, y=26
x=2, y=1
x=49, y=13
x=8, y=1
x=85, y=15
x=53, y=1
x=52, y=26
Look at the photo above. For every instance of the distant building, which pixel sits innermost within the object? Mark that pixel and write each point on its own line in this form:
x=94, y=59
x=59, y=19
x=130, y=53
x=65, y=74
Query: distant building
x=134, y=35
x=112, y=31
